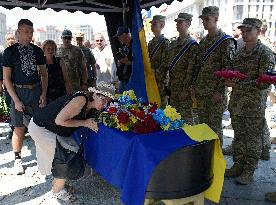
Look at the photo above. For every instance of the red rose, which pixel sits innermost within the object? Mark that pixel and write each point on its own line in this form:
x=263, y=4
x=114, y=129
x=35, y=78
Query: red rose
x=141, y=114
x=153, y=108
x=133, y=112
x=112, y=110
x=123, y=117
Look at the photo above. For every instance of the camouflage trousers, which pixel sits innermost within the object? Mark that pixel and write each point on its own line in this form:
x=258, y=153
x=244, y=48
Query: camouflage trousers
x=247, y=143
x=266, y=145
x=211, y=114
x=185, y=109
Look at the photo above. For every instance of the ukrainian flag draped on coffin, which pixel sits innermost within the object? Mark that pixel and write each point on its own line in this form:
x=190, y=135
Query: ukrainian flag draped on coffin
x=142, y=79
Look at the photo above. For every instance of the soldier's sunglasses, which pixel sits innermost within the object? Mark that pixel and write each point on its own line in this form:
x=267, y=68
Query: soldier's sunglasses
x=67, y=38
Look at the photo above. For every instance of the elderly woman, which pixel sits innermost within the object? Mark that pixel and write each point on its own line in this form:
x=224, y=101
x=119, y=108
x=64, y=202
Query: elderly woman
x=58, y=120
x=58, y=80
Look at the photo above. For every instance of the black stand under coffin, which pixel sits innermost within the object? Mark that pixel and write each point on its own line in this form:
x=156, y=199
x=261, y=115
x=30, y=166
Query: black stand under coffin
x=184, y=173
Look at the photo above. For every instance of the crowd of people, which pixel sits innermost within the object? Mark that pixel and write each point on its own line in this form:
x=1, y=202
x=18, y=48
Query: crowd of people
x=62, y=85
x=184, y=69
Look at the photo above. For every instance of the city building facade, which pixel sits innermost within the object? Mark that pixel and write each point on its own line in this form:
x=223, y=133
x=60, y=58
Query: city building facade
x=3, y=29
x=231, y=12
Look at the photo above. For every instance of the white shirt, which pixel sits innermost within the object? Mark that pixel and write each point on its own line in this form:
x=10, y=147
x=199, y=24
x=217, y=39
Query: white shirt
x=106, y=69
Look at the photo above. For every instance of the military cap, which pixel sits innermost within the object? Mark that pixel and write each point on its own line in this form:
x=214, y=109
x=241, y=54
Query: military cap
x=80, y=35
x=158, y=18
x=209, y=11
x=66, y=33
x=184, y=16
x=264, y=23
x=121, y=30
x=251, y=23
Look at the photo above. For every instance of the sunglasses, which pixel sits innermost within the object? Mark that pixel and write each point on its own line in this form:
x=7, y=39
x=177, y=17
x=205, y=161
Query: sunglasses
x=99, y=40
x=67, y=38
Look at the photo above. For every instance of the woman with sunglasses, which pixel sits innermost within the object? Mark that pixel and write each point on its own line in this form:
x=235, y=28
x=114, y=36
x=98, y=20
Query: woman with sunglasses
x=58, y=121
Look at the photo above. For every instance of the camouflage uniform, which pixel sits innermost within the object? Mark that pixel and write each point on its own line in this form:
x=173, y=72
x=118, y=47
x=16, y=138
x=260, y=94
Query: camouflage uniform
x=180, y=77
x=90, y=62
x=207, y=84
x=157, y=60
x=247, y=105
x=74, y=60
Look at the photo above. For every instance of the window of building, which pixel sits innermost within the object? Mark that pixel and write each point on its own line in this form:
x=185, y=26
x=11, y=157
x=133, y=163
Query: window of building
x=266, y=12
x=238, y=12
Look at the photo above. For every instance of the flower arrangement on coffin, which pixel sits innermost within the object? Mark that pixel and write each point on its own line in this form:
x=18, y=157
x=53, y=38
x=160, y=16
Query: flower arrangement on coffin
x=4, y=112
x=230, y=74
x=267, y=78
x=128, y=113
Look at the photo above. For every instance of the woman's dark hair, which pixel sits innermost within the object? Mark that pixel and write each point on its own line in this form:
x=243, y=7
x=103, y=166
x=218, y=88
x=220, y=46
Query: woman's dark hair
x=90, y=96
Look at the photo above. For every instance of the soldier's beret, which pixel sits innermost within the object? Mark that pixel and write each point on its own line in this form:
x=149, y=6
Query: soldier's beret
x=158, y=18
x=183, y=17
x=209, y=11
x=79, y=35
x=251, y=23
x=264, y=23
x=66, y=33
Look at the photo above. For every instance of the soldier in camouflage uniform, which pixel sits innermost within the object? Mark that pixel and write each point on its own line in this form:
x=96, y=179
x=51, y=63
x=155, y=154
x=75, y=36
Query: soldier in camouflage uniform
x=248, y=102
x=266, y=144
x=180, y=74
x=211, y=91
x=158, y=50
x=90, y=61
x=75, y=62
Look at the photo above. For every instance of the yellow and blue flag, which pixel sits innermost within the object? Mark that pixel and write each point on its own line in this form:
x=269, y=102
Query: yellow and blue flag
x=142, y=79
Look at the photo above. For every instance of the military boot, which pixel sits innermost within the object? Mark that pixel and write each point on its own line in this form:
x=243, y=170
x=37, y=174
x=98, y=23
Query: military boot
x=234, y=171
x=246, y=176
x=265, y=155
x=228, y=150
x=270, y=196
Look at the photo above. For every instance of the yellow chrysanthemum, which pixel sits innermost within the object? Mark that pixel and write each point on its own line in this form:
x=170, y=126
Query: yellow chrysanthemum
x=118, y=95
x=123, y=127
x=171, y=113
x=133, y=119
x=131, y=94
x=166, y=127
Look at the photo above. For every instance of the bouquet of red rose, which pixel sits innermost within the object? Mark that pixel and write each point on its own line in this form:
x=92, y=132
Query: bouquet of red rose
x=4, y=111
x=266, y=78
x=128, y=113
x=230, y=74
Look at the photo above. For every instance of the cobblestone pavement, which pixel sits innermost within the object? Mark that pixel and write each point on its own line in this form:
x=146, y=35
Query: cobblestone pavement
x=33, y=188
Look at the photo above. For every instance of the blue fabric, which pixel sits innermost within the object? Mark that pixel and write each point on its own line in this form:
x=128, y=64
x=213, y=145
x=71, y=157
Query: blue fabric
x=127, y=160
x=137, y=79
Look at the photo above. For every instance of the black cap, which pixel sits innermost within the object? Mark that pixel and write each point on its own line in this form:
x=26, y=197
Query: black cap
x=66, y=33
x=121, y=30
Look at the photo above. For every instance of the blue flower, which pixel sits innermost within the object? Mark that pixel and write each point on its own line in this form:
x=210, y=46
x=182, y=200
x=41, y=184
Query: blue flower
x=177, y=124
x=125, y=100
x=160, y=117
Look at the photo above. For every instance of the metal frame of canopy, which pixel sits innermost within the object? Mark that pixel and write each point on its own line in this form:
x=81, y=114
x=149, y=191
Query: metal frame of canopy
x=86, y=6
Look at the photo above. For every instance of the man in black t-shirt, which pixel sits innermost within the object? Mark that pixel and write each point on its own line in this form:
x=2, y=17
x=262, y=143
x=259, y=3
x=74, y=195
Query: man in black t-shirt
x=25, y=78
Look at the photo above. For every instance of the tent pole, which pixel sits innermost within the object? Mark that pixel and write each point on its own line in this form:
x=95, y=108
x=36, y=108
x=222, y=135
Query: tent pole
x=124, y=12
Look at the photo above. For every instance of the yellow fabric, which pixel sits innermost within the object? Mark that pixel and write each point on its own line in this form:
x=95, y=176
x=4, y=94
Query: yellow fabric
x=151, y=85
x=203, y=132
